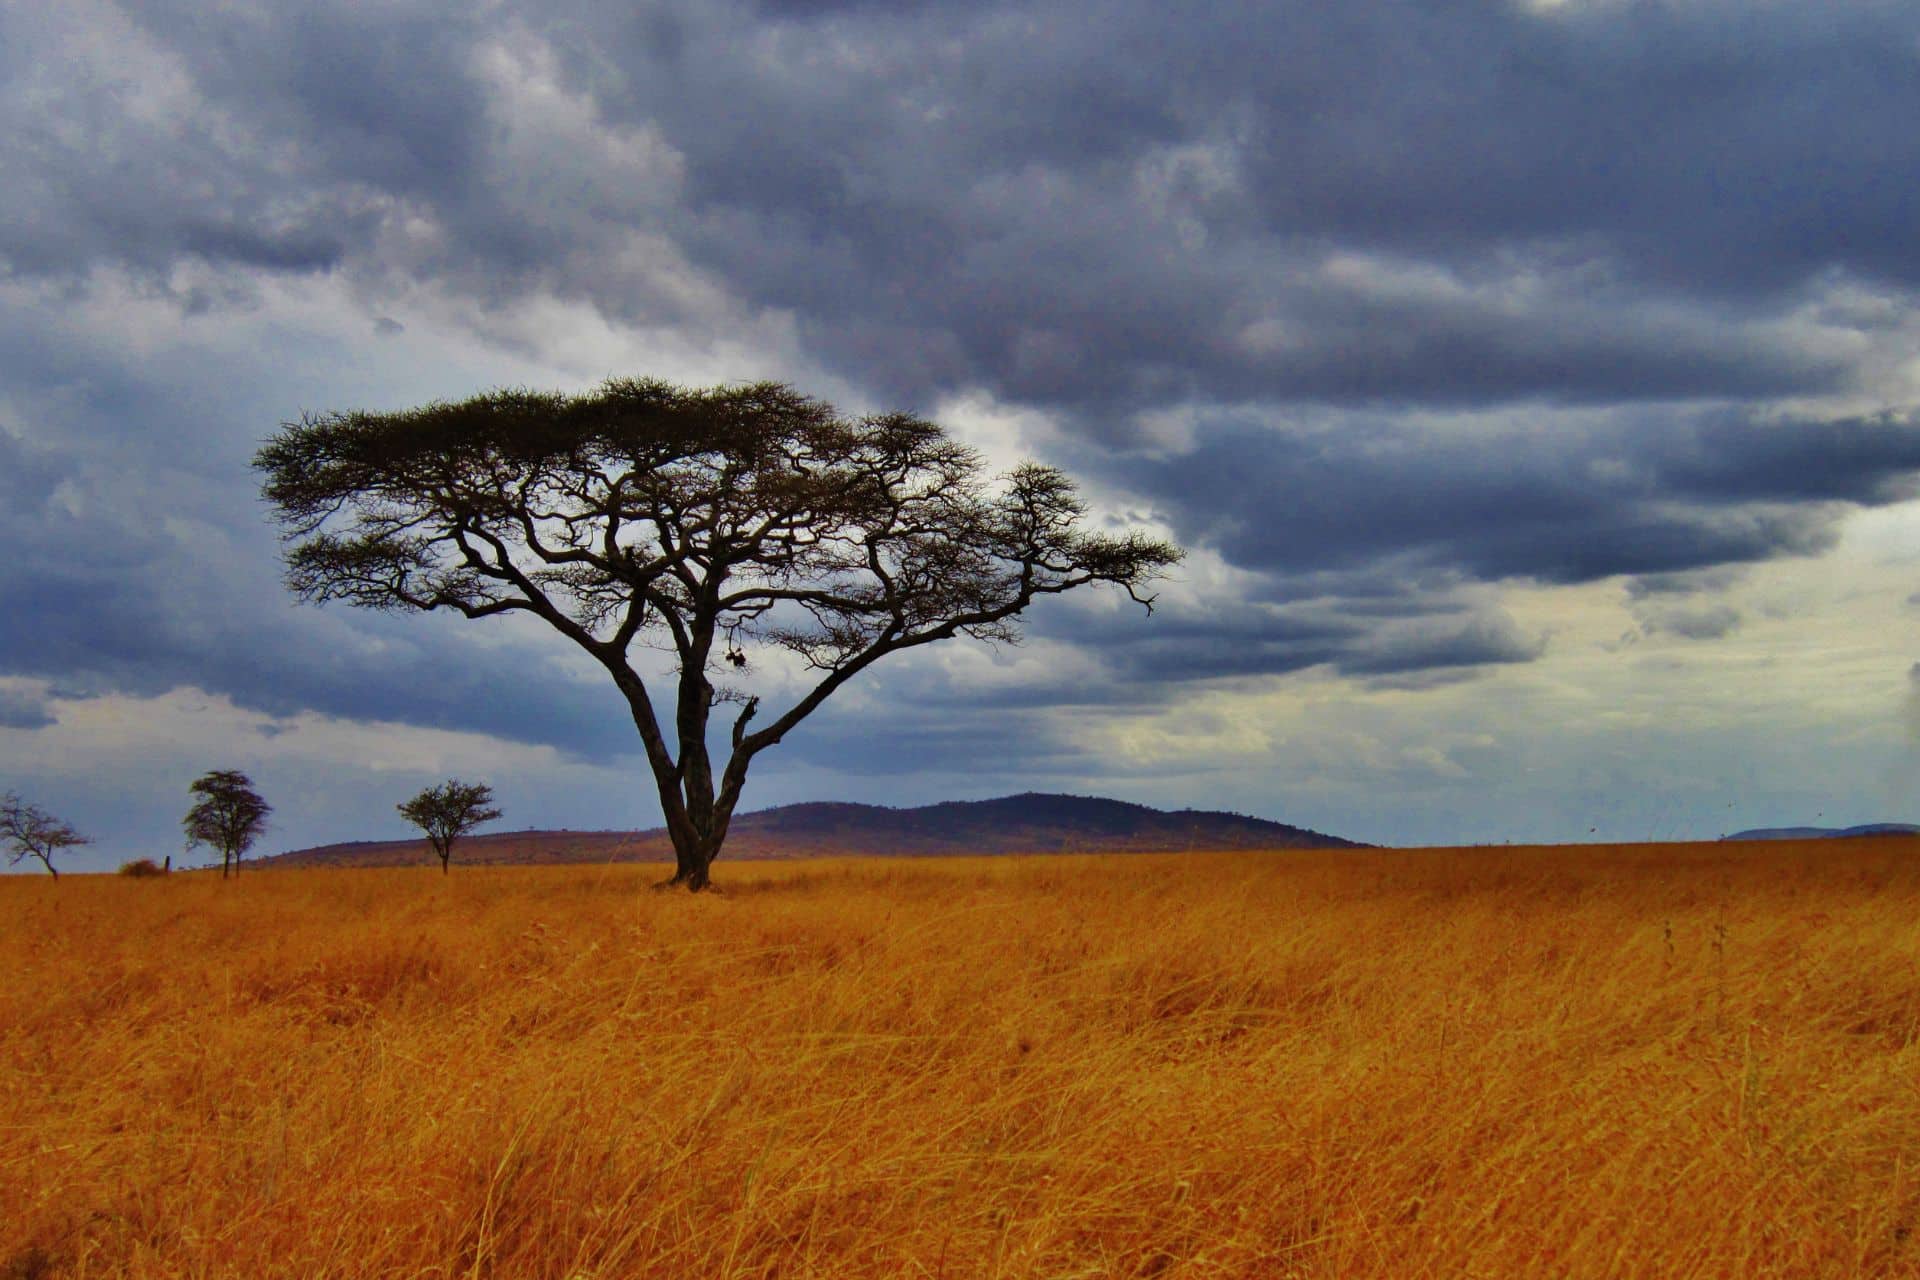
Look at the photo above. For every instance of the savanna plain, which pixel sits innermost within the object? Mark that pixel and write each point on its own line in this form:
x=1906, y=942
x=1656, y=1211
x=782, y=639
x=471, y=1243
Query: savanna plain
x=1656, y=1061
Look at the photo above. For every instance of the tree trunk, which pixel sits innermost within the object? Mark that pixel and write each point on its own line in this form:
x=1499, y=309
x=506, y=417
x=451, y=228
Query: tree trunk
x=692, y=858
x=697, y=878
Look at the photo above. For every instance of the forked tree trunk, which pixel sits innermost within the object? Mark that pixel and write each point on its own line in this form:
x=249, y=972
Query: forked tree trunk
x=695, y=875
x=692, y=861
x=692, y=871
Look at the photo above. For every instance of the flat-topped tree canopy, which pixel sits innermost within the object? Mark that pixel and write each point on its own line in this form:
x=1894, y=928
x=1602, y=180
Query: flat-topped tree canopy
x=710, y=521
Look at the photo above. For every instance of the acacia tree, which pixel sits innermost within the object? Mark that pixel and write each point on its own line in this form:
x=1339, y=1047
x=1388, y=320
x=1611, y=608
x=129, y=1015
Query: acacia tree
x=449, y=811
x=720, y=525
x=31, y=832
x=228, y=816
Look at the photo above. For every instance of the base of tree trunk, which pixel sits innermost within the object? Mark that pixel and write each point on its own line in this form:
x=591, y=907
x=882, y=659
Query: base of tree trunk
x=692, y=877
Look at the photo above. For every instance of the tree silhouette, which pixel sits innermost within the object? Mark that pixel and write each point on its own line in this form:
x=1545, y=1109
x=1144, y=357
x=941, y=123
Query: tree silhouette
x=449, y=811
x=228, y=816
x=31, y=832
x=722, y=525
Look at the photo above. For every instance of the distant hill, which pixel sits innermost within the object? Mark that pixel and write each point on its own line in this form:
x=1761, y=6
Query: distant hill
x=1824, y=833
x=1030, y=823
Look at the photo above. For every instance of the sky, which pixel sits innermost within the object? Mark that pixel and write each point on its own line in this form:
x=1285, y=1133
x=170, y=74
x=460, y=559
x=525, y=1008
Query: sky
x=1531, y=385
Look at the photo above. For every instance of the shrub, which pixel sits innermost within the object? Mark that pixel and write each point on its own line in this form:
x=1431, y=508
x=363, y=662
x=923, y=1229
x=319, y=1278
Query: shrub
x=142, y=867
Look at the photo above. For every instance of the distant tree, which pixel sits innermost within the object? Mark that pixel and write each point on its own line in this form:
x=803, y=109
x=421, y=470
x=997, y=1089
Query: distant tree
x=31, y=832
x=704, y=522
x=449, y=811
x=228, y=816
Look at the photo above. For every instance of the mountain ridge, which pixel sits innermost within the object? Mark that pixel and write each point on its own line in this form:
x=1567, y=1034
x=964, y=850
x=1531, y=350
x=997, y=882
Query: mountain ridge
x=1031, y=822
x=1826, y=833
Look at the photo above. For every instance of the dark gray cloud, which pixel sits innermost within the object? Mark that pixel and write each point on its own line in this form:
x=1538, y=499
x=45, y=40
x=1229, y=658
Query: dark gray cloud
x=141, y=579
x=1206, y=642
x=1422, y=632
x=1098, y=209
x=1480, y=640
x=24, y=709
x=1708, y=622
x=267, y=139
x=1678, y=604
x=139, y=636
x=1102, y=208
x=1562, y=501
x=1655, y=586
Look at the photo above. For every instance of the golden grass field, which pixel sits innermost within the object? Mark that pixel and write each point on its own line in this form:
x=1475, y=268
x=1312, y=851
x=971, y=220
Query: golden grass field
x=1650, y=1061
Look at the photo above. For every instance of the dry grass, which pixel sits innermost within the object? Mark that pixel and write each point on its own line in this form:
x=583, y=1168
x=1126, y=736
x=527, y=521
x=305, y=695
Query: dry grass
x=1646, y=1062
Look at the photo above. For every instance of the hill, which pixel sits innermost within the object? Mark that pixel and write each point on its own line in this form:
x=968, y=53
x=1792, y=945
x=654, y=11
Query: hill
x=1029, y=823
x=1826, y=833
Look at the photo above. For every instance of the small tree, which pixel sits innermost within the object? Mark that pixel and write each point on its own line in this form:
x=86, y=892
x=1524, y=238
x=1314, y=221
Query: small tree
x=704, y=522
x=31, y=832
x=449, y=811
x=228, y=816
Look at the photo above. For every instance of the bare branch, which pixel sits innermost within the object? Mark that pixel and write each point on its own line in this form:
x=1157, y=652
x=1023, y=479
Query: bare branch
x=28, y=831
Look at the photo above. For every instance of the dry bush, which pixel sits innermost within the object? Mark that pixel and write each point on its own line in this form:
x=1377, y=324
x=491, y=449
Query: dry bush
x=141, y=868
x=1689, y=1061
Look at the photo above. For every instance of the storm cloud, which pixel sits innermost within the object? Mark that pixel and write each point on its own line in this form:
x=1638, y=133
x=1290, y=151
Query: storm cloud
x=1632, y=492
